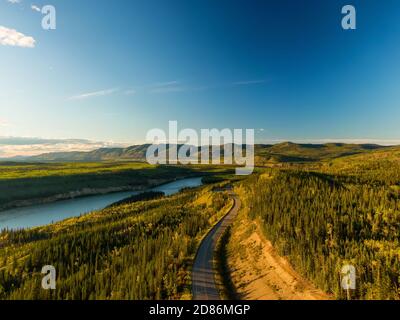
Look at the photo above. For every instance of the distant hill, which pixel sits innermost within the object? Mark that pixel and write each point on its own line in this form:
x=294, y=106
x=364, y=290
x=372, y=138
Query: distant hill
x=265, y=153
x=293, y=152
x=133, y=153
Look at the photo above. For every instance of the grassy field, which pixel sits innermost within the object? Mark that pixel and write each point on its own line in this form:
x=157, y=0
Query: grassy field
x=10, y=171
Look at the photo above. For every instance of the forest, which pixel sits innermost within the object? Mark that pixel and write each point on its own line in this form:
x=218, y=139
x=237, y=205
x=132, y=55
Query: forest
x=329, y=208
x=150, y=242
x=327, y=215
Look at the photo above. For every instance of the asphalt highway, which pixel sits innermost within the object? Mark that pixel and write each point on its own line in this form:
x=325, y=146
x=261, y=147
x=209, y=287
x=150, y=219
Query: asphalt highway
x=203, y=283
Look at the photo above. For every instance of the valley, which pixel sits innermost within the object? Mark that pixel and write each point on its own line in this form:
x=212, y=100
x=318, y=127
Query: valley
x=306, y=211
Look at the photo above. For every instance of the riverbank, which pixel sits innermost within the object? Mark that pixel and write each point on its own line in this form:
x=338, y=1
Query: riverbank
x=95, y=253
x=24, y=185
x=44, y=214
x=85, y=192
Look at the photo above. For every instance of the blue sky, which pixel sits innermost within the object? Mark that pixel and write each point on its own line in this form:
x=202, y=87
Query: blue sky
x=112, y=70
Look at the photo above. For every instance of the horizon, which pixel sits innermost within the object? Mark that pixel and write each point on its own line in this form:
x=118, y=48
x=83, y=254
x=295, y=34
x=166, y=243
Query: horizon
x=38, y=147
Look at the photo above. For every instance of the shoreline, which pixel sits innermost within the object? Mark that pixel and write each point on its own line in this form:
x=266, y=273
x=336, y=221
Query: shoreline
x=87, y=192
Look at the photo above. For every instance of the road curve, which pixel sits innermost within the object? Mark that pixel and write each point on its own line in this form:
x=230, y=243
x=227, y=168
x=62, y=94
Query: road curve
x=203, y=283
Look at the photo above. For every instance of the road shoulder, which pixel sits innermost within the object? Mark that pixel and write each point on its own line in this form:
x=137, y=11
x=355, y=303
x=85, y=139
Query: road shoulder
x=258, y=272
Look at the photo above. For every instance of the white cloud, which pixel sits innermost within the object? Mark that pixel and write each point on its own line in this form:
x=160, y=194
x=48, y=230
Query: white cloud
x=248, y=82
x=11, y=147
x=168, y=89
x=35, y=8
x=3, y=123
x=165, y=84
x=11, y=37
x=165, y=87
x=93, y=94
x=130, y=92
x=14, y=1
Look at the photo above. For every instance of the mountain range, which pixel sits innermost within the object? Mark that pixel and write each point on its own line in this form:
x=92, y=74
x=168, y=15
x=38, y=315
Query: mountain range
x=282, y=152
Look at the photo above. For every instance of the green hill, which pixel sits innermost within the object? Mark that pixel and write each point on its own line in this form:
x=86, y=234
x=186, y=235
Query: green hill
x=293, y=152
x=283, y=152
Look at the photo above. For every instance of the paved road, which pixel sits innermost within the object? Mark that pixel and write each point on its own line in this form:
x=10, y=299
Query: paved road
x=203, y=284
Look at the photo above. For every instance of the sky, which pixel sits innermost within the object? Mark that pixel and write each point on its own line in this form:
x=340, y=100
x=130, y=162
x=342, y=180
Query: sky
x=113, y=70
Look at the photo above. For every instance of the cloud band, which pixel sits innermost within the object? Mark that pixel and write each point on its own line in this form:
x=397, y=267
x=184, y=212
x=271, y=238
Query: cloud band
x=11, y=37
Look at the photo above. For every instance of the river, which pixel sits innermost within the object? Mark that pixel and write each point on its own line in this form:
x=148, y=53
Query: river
x=43, y=214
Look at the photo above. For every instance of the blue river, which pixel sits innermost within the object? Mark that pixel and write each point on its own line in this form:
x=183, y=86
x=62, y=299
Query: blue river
x=43, y=214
